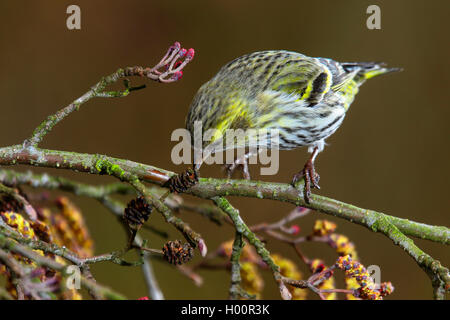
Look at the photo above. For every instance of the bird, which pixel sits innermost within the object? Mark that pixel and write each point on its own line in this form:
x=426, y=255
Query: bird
x=304, y=98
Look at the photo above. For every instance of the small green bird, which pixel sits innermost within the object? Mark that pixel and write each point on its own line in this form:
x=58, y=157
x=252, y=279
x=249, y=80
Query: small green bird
x=304, y=98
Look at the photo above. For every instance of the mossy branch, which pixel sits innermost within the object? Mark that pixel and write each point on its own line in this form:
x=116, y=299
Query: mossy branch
x=245, y=231
x=208, y=188
x=235, y=287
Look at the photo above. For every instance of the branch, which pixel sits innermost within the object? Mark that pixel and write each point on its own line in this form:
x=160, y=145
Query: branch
x=242, y=228
x=235, y=287
x=193, y=237
x=172, y=73
x=208, y=188
x=63, y=252
x=12, y=245
x=439, y=275
x=113, y=257
x=150, y=279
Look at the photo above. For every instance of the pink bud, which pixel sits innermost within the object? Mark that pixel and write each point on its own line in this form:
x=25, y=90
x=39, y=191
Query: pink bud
x=144, y=298
x=285, y=294
x=319, y=268
x=177, y=75
x=197, y=279
x=202, y=247
x=295, y=229
x=177, y=64
x=177, y=45
x=182, y=52
x=190, y=53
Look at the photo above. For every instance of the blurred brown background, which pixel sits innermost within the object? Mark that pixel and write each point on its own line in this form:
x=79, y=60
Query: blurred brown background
x=391, y=153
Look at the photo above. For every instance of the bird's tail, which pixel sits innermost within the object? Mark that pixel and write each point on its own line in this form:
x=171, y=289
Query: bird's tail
x=367, y=70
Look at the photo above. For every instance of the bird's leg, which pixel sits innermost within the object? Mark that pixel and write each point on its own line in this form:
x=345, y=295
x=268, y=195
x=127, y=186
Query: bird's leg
x=245, y=170
x=243, y=161
x=196, y=168
x=310, y=176
x=229, y=169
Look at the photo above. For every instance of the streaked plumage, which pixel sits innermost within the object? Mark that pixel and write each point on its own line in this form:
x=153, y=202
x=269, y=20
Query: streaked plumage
x=305, y=98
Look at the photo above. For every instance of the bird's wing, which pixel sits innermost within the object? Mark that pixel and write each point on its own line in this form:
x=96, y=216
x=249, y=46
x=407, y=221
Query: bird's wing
x=343, y=80
x=305, y=77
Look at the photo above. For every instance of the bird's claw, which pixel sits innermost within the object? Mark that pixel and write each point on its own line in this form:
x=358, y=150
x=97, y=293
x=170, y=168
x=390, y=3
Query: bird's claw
x=311, y=178
x=230, y=168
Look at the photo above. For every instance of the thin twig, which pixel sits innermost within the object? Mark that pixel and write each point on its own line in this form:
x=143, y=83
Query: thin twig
x=98, y=90
x=27, y=207
x=235, y=287
x=193, y=237
x=242, y=228
x=12, y=245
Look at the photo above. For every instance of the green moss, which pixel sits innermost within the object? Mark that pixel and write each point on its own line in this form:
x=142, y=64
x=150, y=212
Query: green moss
x=106, y=167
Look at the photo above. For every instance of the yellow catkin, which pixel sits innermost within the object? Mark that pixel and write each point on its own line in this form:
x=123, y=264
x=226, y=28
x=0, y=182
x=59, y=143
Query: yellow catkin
x=251, y=280
x=18, y=222
x=65, y=233
x=76, y=222
x=62, y=235
x=351, y=284
x=247, y=254
x=68, y=294
x=65, y=229
x=323, y=227
x=343, y=245
x=367, y=289
x=71, y=294
x=35, y=230
x=290, y=270
x=327, y=285
x=48, y=219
